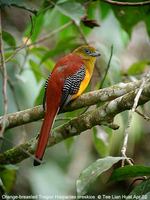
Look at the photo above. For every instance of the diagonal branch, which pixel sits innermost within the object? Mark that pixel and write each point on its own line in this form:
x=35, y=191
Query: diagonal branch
x=121, y=3
x=87, y=99
x=99, y=116
x=44, y=38
x=145, y=79
x=24, y=45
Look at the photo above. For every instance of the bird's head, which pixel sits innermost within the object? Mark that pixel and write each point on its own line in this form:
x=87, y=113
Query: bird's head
x=87, y=52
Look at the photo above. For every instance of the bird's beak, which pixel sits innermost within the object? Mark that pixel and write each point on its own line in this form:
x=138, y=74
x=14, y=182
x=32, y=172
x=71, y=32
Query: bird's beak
x=95, y=54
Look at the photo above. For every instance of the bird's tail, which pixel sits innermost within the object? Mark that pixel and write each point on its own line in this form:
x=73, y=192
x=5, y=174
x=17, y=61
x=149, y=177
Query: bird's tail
x=44, y=135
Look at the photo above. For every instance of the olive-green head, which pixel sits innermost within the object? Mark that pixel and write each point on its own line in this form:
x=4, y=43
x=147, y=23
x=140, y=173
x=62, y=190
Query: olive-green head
x=87, y=52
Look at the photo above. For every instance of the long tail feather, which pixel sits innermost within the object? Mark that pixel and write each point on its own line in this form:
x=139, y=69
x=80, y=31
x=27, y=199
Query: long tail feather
x=44, y=135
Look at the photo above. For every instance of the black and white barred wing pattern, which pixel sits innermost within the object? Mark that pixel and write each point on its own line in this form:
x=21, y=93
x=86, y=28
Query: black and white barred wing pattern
x=72, y=85
x=44, y=97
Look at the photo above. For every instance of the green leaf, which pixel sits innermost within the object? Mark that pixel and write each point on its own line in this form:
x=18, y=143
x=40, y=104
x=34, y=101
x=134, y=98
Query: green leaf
x=90, y=174
x=8, y=54
x=38, y=51
x=49, y=64
x=62, y=1
x=36, y=70
x=71, y=9
x=38, y=22
x=9, y=39
x=146, y=196
x=8, y=176
x=141, y=189
x=105, y=10
x=129, y=171
x=138, y=67
x=68, y=143
x=61, y=45
x=129, y=16
x=99, y=143
x=8, y=167
x=2, y=187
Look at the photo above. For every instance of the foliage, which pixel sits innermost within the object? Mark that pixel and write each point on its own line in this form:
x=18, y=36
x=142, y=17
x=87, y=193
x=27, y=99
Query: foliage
x=130, y=171
x=142, y=189
x=8, y=176
x=56, y=28
x=89, y=175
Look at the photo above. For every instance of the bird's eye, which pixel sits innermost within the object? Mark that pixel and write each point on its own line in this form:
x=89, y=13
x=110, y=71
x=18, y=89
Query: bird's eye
x=87, y=51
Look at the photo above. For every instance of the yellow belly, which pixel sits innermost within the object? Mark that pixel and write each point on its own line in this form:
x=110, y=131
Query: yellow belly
x=83, y=85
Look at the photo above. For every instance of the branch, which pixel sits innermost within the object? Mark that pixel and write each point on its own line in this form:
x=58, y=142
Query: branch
x=33, y=11
x=87, y=99
x=147, y=118
x=99, y=116
x=81, y=33
x=120, y=3
x=24, y=45
x=107, y=69
x=44, y=38
x=4, y=76
x=145, y=79
x=51, y=34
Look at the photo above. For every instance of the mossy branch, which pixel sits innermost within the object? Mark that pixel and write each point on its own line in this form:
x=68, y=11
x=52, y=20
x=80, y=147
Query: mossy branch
x=100, y=116
x=87, y=99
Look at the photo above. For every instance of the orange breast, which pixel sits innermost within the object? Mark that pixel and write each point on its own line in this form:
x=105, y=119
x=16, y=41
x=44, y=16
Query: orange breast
x=83, y=85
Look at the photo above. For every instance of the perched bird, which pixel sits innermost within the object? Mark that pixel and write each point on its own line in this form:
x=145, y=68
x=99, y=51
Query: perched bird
x=67, y=81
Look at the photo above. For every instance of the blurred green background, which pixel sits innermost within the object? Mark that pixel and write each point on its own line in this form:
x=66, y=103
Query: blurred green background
x=127, y=29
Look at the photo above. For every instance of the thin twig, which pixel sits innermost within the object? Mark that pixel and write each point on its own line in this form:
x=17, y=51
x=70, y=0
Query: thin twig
x=4, y=89
x=33, y=11
x=107, y=69
x=120, y=3
x=24, y=45
x=12, y=87
x=77, y=26
x=134, y=181
x=141, y=114
x=5, y=79
x=135, y=104
x=44, y=38
x=24, y=61
x=81, y=33
x=51, y=34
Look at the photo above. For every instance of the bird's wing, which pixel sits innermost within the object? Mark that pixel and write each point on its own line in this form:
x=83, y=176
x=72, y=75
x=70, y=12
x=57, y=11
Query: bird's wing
x=72, y=85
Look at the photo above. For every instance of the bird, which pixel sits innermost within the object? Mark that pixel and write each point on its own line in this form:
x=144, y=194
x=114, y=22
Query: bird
x=67, y=81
